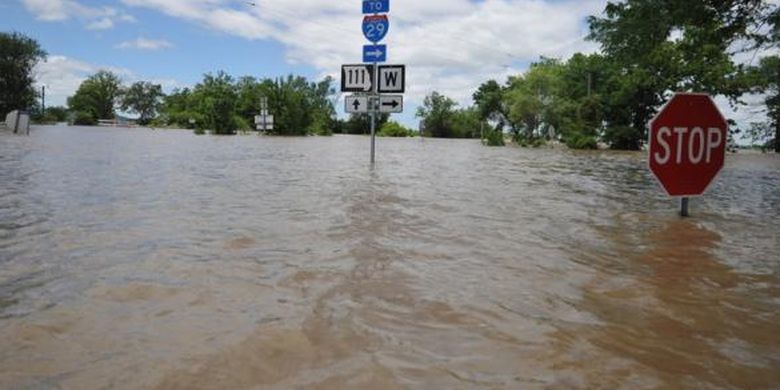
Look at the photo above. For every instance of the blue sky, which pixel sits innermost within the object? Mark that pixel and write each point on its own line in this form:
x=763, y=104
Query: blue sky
x=450, y=46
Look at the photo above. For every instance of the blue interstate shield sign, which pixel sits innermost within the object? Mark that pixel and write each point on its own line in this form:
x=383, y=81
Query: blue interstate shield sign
x=375, y=27
x=376, y=6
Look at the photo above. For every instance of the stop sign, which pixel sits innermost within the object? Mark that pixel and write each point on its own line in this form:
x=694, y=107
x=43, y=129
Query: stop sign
x=688, y=144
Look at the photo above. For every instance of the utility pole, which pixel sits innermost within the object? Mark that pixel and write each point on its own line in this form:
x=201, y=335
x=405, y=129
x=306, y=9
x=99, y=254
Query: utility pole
x=590, y=81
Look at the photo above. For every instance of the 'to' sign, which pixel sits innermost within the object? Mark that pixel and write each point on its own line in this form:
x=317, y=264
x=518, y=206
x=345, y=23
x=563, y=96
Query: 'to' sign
x=688, y=144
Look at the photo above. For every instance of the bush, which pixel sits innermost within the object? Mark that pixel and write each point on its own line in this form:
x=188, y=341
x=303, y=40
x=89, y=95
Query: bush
x=494, y=138
x=394, y=129
x=582, y=142
x=321, y=126
x=525, y=142
x=82, y=118
x=623, y=138
x=241, y=123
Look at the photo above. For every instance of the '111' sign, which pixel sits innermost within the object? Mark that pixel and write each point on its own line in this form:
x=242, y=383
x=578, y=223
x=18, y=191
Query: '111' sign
x=357, y=78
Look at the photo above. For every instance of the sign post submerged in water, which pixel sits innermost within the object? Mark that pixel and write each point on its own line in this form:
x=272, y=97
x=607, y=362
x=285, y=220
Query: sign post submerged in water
x=687, y=145
x=369, y=80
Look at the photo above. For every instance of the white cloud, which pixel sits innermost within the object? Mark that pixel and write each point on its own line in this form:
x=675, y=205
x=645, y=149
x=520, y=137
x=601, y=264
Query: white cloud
x=62, y=76
x=94, y=18
x=448, y=45
x=145, y=44
x=101, y=24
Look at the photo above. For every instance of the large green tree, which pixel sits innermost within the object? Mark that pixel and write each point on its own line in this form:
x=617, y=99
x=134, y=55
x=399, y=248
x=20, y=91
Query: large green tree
x=490, y=102
x=98, y=96
x=437, y=113
x=216, y=100
x=532, y=97
x=18, y=57
x=179, y=109
x=467, y=123
x=661, y=46
x=143, y=99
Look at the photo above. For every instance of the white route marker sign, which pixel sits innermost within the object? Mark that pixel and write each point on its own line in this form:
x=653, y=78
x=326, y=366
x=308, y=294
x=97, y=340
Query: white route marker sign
x=357, y=78
x=392, y=79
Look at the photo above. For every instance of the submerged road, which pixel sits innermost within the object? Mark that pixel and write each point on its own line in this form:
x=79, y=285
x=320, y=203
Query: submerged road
x=140, y=259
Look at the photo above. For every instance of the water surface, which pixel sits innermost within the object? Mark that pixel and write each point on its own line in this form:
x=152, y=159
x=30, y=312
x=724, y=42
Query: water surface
x=148, y=259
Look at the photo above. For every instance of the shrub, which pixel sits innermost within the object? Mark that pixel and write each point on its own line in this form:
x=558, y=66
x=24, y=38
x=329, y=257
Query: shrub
x=394, y=129
x=82, y=118
x=581, y=141
x=493, y=138
x=241, y=123
x=321, y=126
x=623, y=138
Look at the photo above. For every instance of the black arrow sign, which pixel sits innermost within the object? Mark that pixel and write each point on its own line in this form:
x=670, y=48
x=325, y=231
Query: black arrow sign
x=393, y=103
x=356, y=104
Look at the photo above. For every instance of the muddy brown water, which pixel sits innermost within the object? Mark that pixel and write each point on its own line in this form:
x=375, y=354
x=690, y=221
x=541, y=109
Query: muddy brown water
x=141, y=259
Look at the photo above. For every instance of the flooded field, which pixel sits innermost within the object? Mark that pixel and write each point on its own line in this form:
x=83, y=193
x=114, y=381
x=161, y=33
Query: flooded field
x=140, y=259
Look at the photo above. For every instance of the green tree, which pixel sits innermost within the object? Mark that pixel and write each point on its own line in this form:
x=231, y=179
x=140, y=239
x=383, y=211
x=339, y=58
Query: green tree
x=215, y=99
x=770, y=85
x=98, y=96
x=581, y=107
x=467, y=123
x=18, y=57
x=437, y=113
x=299, y=107
x=490, y=102
x=394, y=129
x=530, y=98
x=661, y=46
x=142, y=98
x=361, y=123
x=53, y=115
x=178, y=109
x=56, y=114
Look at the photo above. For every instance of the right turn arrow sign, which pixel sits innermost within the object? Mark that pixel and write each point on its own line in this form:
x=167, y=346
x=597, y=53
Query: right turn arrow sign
x=391, y=104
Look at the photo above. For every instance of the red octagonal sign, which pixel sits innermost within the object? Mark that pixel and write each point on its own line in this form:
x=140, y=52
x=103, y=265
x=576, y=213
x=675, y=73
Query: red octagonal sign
x=688, y=144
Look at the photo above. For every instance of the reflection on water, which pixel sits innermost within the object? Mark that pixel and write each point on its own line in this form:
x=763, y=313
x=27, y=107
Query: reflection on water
x=139, y=259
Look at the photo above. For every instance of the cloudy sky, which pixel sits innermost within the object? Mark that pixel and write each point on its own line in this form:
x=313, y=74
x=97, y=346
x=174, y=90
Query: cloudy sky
x=450, y=46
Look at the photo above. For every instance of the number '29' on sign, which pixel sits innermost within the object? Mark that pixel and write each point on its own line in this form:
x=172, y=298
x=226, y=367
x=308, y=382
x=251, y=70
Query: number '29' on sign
x=375, y=27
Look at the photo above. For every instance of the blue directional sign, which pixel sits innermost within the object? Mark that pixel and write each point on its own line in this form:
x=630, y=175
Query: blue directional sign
x=375, y=53
x=376, y=6
x=375, y=27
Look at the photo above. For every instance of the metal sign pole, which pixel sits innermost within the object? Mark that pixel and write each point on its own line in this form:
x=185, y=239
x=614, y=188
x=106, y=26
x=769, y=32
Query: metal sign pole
x=373, y=107
x=684, y=206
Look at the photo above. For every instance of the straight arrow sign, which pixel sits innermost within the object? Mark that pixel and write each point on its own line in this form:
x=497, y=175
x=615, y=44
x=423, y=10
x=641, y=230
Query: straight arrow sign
x=356, y=104
x=391, y=104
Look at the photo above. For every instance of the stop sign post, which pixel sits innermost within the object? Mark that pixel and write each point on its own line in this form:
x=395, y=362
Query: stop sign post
x=687, y=145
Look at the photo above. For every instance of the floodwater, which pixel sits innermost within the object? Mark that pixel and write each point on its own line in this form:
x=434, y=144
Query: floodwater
x=142, y=259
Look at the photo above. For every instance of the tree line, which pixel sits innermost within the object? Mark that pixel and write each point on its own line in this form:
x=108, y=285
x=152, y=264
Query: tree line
x=649, y=49
x=219, y=103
